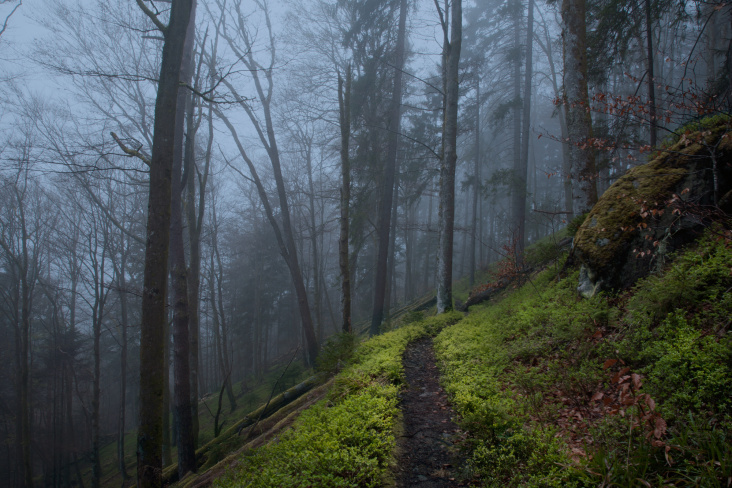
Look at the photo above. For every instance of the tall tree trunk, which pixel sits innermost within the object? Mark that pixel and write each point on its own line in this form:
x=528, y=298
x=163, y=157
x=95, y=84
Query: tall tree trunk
x=562, y=115
x=24, y=386
x=579, y=122
x=476, y=186
x=182, y=353
x=651, y=77
x=449, y=161
x=344, y=103
x=385, y=206
x=97, y=315
x=167, y=442
x=218, y=311
x=152, y=336
x=428, y=248
x=519, y=196
x=390, y=297
x=518, y=183
x=124, y=319
x=317, y=298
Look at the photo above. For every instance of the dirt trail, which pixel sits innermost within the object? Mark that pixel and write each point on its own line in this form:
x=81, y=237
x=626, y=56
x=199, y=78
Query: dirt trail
x=427, y=457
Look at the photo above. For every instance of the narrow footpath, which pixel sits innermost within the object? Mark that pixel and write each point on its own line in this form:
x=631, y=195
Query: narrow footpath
x=426, y=455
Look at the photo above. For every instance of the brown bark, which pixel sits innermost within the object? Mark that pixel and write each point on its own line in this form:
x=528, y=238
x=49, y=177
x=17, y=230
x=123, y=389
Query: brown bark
x=344, y=103
x=519, y=197
x=182, y=347
x=152, y=336
x=449, y=161
x=579, y=122
x=387, y=190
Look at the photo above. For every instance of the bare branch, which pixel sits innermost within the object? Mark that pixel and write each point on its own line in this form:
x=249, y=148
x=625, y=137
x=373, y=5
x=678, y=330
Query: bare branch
x=7, y=19
x=130, y=152
x=161, y=27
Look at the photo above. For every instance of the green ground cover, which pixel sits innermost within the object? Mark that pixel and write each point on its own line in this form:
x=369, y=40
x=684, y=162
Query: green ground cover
x=618, y=390
x=348, y=439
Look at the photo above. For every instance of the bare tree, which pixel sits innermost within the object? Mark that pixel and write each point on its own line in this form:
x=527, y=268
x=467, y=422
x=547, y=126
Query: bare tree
x=152, y=339
x=25, y=224
x=240, y=42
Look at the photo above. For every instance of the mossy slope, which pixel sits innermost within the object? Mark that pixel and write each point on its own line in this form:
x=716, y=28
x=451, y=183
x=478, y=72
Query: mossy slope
x=347, y=440
x=623, y=390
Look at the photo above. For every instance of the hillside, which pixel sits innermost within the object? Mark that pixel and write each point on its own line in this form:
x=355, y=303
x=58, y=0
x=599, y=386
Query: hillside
x=625, y=386
x=548, y=389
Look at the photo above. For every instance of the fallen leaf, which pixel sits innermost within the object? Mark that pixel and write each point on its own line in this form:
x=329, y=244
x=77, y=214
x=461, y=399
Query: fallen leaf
x=609, y=363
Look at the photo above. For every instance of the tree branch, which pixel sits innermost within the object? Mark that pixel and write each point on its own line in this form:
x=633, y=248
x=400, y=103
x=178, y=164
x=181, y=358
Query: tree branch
x=161, y=27
x=7, y=19
x=130, y=152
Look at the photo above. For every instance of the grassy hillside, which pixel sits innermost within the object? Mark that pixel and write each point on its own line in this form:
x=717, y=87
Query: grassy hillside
x=628, y=389
x=348, y=439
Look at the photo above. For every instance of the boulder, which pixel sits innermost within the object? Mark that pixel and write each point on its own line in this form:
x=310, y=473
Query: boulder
x=655, y=208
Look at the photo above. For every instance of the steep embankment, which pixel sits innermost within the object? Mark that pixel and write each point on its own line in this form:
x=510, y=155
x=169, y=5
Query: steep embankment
x=626, y=389
x=630, y=385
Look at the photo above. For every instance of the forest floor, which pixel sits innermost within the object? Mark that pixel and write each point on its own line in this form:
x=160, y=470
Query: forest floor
x=428, y=456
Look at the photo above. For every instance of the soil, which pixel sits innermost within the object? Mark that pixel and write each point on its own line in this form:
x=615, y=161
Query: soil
x=427, y=446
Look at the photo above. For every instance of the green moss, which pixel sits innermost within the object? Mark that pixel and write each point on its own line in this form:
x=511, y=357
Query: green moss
x=616, y=218
x=348, y=439
x=506, y=364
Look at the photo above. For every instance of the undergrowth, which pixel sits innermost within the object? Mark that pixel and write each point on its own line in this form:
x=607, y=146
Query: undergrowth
x=624, y=390
x=348, y=439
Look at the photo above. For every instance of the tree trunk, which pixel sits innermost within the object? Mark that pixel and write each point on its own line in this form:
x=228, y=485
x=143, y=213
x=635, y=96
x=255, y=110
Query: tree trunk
x=122, y=285
x=217, y=304
x=385, y=207
x=428, y=249
x=519, y=197
x=167, y=442
x=651, y=78
x=476, y=186
x=449, y=161
x=24, y=387
x=152, y=336
x=182, y=346
x=344, y=103
x=317, y=298
x=97, y=314
x=390, y=296
x=518, y=183
x=579, y=122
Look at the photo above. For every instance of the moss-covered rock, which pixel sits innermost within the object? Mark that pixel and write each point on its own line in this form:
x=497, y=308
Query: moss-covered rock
x=646, y=213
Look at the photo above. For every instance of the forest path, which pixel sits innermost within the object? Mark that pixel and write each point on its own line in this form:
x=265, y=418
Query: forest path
x=426, y=456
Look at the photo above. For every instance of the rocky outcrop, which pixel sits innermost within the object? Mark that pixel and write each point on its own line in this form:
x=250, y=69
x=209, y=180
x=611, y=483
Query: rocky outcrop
x=655, y=208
